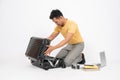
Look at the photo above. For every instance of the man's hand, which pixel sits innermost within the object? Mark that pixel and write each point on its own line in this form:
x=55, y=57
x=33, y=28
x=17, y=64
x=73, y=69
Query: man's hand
x=49, y=50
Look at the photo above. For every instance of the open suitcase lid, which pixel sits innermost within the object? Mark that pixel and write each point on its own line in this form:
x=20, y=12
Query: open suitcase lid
x=36, y=47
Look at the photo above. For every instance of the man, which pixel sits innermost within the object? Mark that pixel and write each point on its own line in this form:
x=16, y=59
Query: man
x=72, y=53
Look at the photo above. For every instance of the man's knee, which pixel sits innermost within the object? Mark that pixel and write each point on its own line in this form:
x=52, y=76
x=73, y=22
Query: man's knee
x=68, y=62
x=72, y=60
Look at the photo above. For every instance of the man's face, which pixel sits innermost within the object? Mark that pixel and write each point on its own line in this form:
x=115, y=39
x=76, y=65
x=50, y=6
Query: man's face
x=58, y=21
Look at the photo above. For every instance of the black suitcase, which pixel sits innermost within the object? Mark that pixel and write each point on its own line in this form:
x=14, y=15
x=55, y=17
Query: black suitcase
x=36, y=47
x=35, y=52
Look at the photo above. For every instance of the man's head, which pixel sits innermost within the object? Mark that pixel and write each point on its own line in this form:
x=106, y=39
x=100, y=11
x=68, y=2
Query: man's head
x=57, y=17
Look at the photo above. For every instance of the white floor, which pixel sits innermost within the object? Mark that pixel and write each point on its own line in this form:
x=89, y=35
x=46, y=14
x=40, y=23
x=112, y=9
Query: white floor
x=21, y=69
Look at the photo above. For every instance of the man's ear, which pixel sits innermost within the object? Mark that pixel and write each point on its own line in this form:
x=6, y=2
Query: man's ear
x=61, y=17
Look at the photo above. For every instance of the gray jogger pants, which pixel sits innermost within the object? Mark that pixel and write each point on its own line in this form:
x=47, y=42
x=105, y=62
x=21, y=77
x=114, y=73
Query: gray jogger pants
x=72, y=53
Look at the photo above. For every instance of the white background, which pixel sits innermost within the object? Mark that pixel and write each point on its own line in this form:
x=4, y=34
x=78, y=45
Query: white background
x=99, y=24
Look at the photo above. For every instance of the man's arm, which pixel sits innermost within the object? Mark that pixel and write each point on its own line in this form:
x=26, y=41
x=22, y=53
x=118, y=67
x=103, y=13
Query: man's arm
x=62, y=43
x=65, y=41
x=52, y=36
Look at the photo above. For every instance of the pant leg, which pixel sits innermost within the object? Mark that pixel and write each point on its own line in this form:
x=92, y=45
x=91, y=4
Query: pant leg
x=75, y=55
x=78, y=59
x=64, y=51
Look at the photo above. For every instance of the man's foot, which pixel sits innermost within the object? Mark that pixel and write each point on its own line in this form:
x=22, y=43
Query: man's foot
x=83, y=60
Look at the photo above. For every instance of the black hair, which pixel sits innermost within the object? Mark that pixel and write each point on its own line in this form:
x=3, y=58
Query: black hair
x=55, y=13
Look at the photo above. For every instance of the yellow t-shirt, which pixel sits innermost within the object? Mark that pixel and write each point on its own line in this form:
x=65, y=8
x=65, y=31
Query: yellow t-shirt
x=70, y=27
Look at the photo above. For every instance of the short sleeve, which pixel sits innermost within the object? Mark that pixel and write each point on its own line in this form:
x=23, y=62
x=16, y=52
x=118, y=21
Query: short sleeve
x=72, y=28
